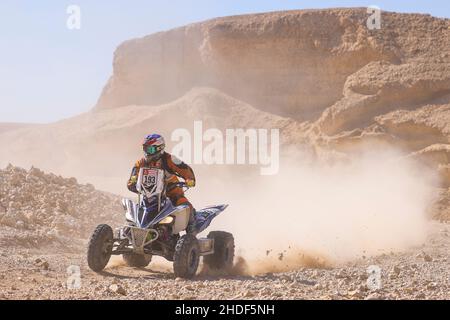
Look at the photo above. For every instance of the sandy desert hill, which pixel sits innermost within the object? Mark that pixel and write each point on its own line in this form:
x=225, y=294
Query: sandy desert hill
x=10, y=126
x=321, y=76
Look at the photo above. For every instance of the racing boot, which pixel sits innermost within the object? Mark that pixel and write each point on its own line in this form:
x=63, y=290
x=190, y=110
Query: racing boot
x=191, y=228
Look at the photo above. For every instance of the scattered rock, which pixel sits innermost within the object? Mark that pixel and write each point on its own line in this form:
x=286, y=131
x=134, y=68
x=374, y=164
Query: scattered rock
x=395, y=270
x=427, y=258
x=373, y=296
x=420, y=296
x=42, y=263
x=354, y=293
x=249, y=294
x=118, y=289
x=307, y=282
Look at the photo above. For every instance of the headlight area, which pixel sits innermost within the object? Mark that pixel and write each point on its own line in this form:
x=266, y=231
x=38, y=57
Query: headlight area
x=166, y=220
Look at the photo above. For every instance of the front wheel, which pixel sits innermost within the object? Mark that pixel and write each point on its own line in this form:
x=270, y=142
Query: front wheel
x=100, y=247
x=137, y=260
x=186, y=257
x=223, y=256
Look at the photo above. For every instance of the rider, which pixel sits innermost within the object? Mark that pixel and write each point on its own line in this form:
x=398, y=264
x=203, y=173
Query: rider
x=155, y=156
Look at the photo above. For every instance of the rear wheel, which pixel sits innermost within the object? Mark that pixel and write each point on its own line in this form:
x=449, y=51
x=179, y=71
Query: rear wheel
x=100, y=247
x=186, y=257
x=223, y=256
x=137, y=260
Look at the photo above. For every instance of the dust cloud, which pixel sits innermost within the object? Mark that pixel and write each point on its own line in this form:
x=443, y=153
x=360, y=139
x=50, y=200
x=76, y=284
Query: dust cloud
x=319, y=216
x=309, y=214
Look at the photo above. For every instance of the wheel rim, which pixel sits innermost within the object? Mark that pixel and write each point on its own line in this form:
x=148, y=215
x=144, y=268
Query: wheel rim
x=192, y=259
x=106, y=251
x=106, y=247
x=227, y=254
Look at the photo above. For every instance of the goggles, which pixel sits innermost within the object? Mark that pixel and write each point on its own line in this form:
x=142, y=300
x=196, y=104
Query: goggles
x=152, y=149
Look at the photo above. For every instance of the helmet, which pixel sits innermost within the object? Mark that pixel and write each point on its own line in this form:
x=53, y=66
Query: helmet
x=153, y=147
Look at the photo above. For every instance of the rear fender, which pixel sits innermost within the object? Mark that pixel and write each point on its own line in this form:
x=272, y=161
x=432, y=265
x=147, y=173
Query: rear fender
x=204, y=216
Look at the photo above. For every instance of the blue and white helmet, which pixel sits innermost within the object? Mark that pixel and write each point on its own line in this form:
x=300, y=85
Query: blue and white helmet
x=153, y=146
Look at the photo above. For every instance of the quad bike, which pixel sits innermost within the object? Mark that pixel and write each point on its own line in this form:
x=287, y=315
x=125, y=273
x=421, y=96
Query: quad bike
x=154, y=227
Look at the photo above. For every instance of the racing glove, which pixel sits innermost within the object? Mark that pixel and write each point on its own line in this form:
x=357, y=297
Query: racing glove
x=133, y=180
x=190, y=183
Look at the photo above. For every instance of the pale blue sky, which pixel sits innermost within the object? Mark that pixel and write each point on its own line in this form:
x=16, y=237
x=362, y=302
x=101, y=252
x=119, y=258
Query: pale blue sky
x=48, y=72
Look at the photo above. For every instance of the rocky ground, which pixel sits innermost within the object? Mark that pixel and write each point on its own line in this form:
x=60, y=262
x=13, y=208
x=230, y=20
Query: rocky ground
x=45, y=220
x=41, y=208
x=421, y=273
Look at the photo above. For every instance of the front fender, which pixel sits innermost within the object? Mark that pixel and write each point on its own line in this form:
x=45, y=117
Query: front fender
x=131, y=208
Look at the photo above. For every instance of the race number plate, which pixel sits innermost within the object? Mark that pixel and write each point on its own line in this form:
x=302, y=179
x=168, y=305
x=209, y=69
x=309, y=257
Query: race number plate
x=149, y=178
x=150, y=181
